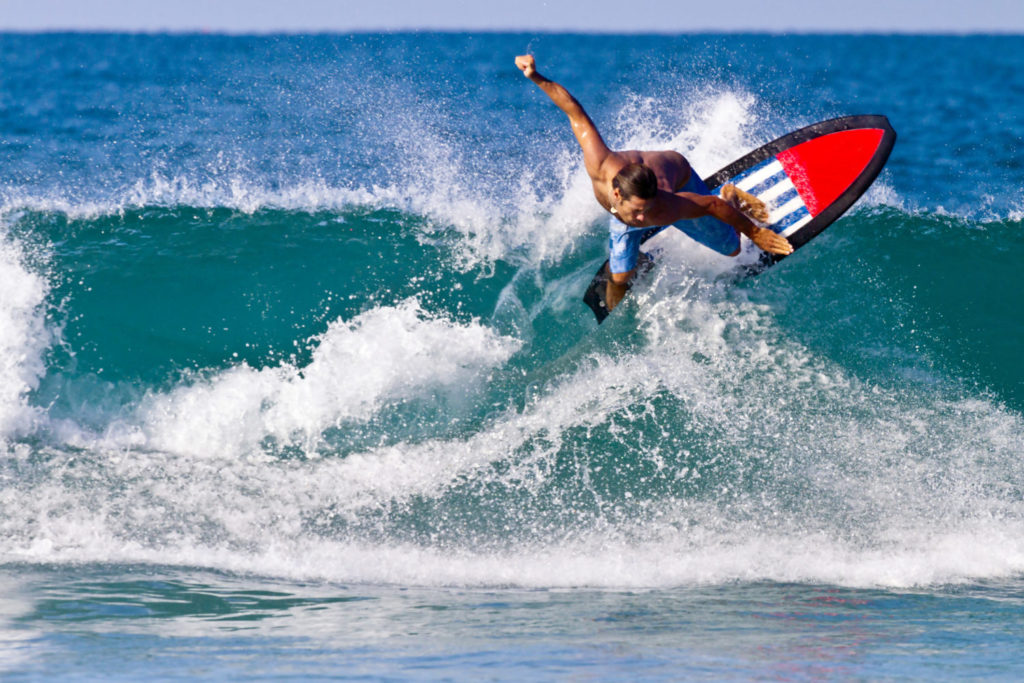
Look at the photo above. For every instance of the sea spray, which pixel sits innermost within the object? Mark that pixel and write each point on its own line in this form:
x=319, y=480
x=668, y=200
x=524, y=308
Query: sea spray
x=25, y=338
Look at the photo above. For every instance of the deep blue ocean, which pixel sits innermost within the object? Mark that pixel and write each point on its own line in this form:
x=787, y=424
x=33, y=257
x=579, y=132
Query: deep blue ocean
x=296, y=380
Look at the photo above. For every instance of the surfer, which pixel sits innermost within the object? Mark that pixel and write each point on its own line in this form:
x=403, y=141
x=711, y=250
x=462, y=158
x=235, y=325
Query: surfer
x=655, y=189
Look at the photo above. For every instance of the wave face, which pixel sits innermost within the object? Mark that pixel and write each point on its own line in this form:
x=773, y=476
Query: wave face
x=309, y=307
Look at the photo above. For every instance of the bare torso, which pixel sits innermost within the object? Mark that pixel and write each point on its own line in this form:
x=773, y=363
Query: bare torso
x=670, y=168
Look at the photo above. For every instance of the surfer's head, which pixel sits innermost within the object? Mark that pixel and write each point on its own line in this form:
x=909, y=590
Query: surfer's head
x=636, y=180
x=633, y=191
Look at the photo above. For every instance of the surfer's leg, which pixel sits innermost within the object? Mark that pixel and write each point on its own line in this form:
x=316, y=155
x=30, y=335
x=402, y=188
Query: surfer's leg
x=616, y=288
x=623, y=252
x=709, y=231
x=712, y=233
x=623, y=247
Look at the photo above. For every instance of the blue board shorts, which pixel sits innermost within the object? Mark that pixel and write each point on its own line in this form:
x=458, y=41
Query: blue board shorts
x=624, y=241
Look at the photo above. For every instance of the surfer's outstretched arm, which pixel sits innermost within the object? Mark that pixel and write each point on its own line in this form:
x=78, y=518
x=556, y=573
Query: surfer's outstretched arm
x=685, y=205
x=594, y=150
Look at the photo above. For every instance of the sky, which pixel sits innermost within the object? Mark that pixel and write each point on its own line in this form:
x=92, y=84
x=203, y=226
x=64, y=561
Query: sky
x=604, y=16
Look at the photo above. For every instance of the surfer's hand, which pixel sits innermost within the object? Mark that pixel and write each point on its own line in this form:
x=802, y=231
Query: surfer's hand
x=527, y=65
x=771, y=241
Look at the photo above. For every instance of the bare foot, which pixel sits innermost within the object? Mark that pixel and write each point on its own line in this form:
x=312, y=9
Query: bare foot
x=745, y=203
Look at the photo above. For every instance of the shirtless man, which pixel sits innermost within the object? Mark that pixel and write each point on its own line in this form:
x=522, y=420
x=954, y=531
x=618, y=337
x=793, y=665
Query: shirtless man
x=655, y=189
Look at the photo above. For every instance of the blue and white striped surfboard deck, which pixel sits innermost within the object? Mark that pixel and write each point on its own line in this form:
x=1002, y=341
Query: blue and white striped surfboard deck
x=807, y=179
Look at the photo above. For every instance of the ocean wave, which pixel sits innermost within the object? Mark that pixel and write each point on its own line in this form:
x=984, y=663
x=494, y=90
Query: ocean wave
x=715, y=448
x=385, y=354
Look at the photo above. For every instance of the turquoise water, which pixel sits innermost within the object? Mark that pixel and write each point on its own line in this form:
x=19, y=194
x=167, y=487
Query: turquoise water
x=297, y=380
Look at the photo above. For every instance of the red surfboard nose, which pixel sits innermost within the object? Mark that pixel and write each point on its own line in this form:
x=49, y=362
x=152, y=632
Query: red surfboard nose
x=823, y=168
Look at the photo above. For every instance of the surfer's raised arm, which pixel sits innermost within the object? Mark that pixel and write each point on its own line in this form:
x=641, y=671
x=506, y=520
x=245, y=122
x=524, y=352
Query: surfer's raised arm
x=595, y=151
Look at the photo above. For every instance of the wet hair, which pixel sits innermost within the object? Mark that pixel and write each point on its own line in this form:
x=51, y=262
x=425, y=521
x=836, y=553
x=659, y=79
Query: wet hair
x=636, y=180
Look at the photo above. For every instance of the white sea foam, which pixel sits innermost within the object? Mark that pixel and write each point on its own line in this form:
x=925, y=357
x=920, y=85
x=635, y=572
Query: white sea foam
x=24, y=338
x=386, y=354
x=713, y=130
x=260, y=535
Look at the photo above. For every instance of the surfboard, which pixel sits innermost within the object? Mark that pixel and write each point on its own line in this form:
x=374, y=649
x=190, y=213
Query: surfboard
x=807, y=179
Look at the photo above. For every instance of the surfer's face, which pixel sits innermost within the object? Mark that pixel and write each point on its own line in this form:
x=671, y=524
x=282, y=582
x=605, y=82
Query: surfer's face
x=633, y=210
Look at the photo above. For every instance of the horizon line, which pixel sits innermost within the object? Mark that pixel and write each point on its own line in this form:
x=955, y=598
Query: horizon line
x=201, y=31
